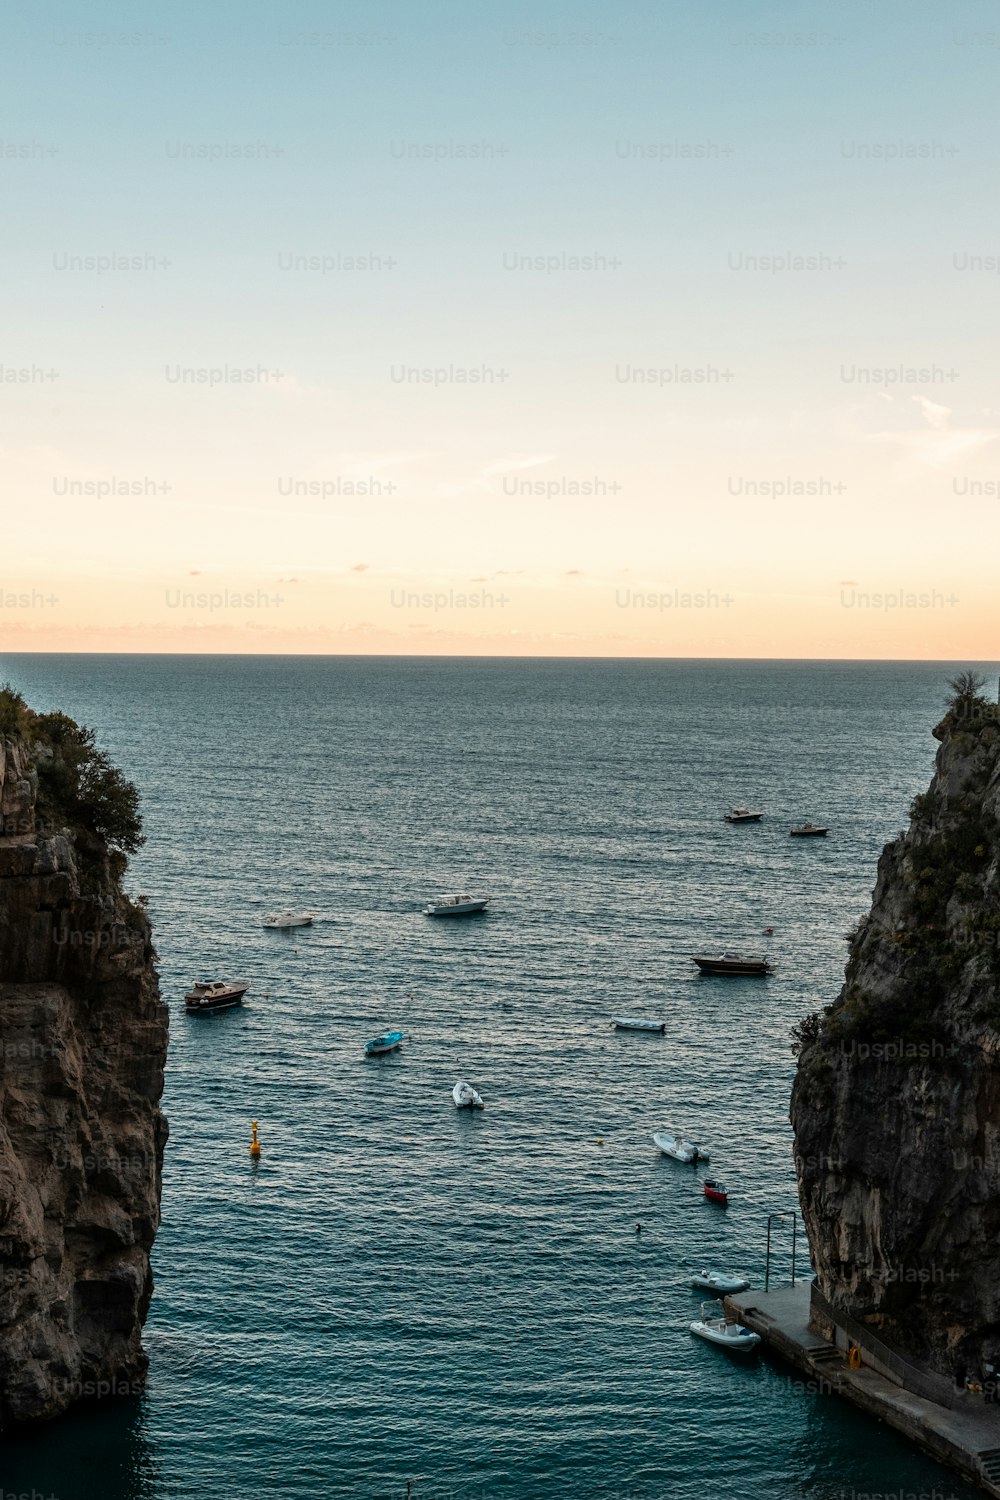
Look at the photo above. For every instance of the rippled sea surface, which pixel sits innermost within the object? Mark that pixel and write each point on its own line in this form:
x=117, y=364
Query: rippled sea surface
x=401, y=1294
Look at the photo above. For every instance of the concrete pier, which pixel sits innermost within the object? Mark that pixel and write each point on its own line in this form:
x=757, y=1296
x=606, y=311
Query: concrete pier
x=966, y=1437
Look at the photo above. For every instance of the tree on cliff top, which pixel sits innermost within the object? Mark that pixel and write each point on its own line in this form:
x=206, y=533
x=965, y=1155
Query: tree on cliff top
x=967, y=687
x=84, y=785
x=968, y=706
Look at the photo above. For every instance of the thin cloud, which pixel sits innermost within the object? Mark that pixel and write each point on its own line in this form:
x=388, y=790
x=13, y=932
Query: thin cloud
x=502, y=466
x=491, y=471
x=935, y=416
x=935, y=443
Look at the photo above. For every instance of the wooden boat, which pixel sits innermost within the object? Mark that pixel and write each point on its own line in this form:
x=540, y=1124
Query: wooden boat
x=678, y=1148
x=632, y=1023
x=465, y=1097
x=215, y=994
x=731, y=964
x=808, y=831
x=389, y=1041
x=743, y=815
x=719, y=1286
x=715, y=1192
x=724, y=1332
x=456, y=906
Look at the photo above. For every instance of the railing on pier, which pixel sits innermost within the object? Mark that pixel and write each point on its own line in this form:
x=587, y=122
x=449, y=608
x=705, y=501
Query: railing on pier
x=906, y=1371
x=767, y=1262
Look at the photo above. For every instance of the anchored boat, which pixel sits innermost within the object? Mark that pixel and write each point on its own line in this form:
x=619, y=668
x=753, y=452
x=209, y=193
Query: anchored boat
x=289, y=919
x=632, y=1023
x=456, y=906
x=743, y=815
x=678, y=1148
x=715, y=1192
x=215, y=994
x=719, y=1286
x=465, y=1097
x=731, y=964
x=389, y=1041
x=808, y=831
x=724, y=1332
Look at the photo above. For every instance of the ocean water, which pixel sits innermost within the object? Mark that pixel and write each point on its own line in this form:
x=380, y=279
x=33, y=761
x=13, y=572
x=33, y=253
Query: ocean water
x=399, y=1294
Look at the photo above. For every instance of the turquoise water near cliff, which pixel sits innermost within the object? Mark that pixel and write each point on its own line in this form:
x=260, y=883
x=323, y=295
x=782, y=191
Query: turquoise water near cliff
x=398, y=1293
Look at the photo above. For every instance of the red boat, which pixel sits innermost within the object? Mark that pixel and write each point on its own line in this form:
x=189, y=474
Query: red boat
x=715, y=1191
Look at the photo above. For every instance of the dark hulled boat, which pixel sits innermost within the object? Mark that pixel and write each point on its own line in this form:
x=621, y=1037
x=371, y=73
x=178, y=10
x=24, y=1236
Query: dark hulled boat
x=731, y=964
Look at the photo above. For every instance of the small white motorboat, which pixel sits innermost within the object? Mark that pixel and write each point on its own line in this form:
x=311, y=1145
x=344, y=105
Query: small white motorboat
x=456, y=906
x=719, y=1286
x=744, y=815
x=289, y=919
x=465, y=1097
x=632, y=1023
x=721, y=1331
x=809, y=831
x=677, y=1147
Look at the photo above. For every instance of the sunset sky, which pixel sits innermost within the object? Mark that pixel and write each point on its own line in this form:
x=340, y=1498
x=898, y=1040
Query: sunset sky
x=525, y=375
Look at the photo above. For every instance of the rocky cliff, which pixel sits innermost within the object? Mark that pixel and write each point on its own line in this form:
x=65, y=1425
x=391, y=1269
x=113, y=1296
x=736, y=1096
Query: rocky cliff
x=896, y=1102
x=83, y=1038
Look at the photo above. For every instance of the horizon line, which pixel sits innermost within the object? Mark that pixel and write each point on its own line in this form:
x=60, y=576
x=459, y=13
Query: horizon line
x=929, y=661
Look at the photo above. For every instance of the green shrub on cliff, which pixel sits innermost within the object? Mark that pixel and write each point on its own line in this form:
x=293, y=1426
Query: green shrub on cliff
x=80, y=784
x=922, y=810
x=806, y=1031
x=14, y=712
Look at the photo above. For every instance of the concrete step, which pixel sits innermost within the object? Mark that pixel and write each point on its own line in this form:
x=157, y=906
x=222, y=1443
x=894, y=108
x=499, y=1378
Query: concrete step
x=989, y=1462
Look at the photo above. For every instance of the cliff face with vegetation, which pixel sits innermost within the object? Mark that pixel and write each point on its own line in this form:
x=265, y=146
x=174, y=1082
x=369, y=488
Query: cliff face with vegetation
x=83, y=1038
x=896, y=1103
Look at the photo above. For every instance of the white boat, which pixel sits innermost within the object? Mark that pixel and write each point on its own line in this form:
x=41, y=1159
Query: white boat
x=743, y=815
x=728, y=1335
x=719, y=1286
x=632, y=1023
x=678, y=1148
x=809, y=831
x=465, y=1097
x=215, y=994
x=289, y=919
x=456, y=906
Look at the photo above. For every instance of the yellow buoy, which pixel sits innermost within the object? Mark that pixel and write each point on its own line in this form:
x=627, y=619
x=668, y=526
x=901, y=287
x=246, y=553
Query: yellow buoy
x=254, y=1143
x=600, y=1140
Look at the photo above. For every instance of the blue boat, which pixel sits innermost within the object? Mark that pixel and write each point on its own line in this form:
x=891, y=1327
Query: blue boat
x=388, y=1042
